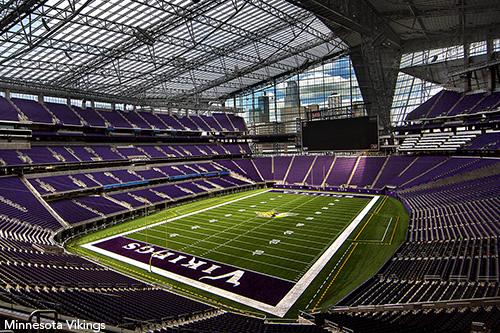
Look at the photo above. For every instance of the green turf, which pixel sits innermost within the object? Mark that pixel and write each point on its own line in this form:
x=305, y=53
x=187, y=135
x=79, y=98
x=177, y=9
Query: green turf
x=231, y=233
x=233, y=240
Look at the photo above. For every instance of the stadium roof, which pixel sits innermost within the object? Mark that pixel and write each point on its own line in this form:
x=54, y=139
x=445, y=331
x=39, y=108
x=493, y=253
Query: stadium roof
x=155, y=52
x=186, y=53
x=409, y=24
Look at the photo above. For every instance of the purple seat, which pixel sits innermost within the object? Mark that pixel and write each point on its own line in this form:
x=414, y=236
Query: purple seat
x=421, y=111
x=341, y=170
x=212, y=123
x=7, y=111
x=188, y=123
x=264, y=165
x=320, y=169
x=90, y=116
x=467, y=103
x=224, y=122
x=488, y=103
x=201, y=123
x=444, y=104
x=64, y=113
x=299, y=169
x=33, y=110
x=153, y=120
x=367, y=170
x=238, y=122
x=114, y=118
x=171, y=121
x=280, y=166
x=27, y=208
x=136, y=119
x=395, y=165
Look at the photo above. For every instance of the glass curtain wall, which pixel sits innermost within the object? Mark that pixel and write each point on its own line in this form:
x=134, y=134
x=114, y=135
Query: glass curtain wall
x=318, y=90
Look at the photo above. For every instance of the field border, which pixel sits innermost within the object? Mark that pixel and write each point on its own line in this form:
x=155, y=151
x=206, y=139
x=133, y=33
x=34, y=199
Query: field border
x=286, y=302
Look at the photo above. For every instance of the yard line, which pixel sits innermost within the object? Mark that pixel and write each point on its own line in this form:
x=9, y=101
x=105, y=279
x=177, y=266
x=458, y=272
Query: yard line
x=230, y=228
x=283, y=242
x=316, y=224
x=253, y=260
x=238, y=248
x=212, y=227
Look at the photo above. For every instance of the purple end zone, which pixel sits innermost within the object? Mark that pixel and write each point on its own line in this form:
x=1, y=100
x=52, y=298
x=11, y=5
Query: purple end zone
x=259, y=287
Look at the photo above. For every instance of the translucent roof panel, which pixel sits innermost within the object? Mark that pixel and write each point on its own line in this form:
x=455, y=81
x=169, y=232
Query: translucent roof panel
x=140, y=51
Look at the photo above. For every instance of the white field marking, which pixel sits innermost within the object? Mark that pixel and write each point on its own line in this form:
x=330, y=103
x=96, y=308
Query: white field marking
x=328, y=277
x=263, y=227
x=318, y=226
x=287, y=302
x=383, y=237
x=218, y=230
x=310, y=243
x=386, y=229
x=225, y=231
x=248, y=244
x=232, y=227
x=290, y=298
x=182, y=216
x=248, y=231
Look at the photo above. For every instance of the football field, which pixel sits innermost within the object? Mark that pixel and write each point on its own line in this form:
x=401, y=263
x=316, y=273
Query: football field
x=243, y=235
x=262, y=249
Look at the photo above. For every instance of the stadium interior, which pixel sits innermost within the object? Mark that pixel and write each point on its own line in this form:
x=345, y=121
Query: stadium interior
x=113, y=111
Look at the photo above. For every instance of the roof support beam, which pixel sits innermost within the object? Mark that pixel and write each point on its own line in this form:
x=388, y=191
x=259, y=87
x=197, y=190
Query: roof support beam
x=360, y=17
x=242, y=72
x=13, y=12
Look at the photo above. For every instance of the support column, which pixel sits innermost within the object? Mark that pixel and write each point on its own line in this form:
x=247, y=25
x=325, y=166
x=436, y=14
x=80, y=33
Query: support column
x=377, y=69
x=467, y=76
x=492, y=70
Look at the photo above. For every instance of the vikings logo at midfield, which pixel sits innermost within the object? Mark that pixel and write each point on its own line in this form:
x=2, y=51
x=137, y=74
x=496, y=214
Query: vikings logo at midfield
x=274, y=214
